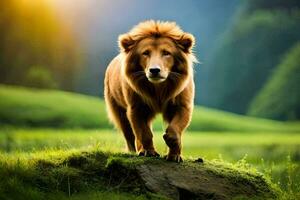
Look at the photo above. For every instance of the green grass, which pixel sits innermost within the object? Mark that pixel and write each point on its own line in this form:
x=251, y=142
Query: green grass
x=58, y=175
x=76, y=174
x=266, y=151
x=49, y=123
x=51, y=108
x=207, y=144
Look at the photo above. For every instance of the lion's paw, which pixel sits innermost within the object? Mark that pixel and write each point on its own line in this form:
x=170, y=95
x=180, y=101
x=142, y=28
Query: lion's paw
x=148, y=153
x=174, y=158
x=172, y=140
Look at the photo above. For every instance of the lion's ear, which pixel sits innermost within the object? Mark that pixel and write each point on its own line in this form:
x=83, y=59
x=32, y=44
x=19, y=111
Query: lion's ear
x=125, y=42
x=186, y=42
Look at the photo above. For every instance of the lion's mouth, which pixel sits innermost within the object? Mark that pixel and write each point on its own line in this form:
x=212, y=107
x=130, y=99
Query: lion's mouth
x=156, y=79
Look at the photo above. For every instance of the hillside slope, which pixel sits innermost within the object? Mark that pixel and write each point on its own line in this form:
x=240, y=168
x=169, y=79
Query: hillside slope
x=51, y=108
x=247, y=53
x=280, y=97
x=22, y=106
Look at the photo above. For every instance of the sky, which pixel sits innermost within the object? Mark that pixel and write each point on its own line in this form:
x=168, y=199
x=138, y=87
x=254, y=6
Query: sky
x=97, y=24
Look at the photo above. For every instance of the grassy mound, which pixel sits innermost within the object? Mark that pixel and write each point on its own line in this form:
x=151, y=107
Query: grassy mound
x=51, y=108
x=73, y=175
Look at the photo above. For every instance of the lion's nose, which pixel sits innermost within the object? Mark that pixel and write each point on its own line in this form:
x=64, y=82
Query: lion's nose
x=154, y=71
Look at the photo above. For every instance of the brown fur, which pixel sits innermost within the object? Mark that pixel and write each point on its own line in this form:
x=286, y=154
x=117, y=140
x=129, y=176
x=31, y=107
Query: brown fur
x=133, y=97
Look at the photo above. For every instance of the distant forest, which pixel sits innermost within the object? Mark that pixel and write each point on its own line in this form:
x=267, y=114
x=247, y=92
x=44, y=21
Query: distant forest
x=251, y=57
x=249, y=50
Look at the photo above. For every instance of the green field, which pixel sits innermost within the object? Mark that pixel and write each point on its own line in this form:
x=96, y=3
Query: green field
x=42, y=123
x=51, y=108
x=232, y=146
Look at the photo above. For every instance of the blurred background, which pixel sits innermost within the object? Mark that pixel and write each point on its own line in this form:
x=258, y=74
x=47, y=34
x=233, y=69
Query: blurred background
x=53, y=55
x=249, y=50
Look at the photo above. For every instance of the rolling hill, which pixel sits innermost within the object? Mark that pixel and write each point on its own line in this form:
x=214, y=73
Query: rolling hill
x=279, y=98
x=28, y=107
x=262, y=33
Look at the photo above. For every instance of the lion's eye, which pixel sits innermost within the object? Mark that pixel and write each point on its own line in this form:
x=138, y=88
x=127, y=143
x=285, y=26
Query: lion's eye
x=166, y=53
x=146, y=53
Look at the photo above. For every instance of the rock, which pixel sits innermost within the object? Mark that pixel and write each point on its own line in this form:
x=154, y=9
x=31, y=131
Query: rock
x=199, y=160
x=191, y=180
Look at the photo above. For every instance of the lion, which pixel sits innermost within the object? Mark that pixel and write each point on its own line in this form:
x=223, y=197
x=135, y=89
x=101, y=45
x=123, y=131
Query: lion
x=152, y=74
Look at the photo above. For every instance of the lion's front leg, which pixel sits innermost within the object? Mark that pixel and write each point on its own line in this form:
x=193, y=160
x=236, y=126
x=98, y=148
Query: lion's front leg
x=173, y=140
x=140, y=123
x=178, y=121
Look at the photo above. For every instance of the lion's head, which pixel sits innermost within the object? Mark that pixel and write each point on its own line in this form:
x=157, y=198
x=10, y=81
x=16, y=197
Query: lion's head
x=157, y=51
